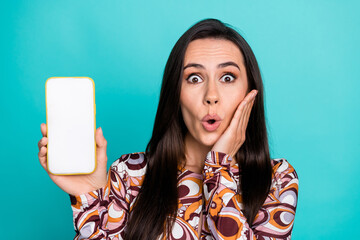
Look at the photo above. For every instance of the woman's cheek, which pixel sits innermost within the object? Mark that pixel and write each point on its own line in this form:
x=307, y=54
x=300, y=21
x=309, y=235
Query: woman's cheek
x=231, y=112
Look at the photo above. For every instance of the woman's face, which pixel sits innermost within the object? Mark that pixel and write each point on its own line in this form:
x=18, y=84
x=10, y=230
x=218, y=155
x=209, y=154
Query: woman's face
x=214, y=83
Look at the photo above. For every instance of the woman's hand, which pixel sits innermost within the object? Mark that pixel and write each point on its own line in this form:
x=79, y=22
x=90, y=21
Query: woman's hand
x=78, y=184
x=234, y=136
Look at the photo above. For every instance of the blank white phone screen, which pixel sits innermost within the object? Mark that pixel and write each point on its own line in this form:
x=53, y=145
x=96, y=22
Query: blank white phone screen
x=70, y=109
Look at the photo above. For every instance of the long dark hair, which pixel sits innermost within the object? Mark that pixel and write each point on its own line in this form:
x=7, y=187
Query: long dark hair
x=155, y=209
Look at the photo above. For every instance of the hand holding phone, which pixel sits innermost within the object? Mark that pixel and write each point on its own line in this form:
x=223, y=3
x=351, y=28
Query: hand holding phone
x=75, y=151
x=78, y=184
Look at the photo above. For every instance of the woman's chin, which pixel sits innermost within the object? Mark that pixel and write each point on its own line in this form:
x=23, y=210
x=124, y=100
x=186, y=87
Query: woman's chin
x=202, y=139
x=209, y=141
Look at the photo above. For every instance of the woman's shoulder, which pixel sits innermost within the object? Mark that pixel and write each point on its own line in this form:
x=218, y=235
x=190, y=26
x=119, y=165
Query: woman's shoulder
x=285, y=184
x=131, y=164
x=283, y=169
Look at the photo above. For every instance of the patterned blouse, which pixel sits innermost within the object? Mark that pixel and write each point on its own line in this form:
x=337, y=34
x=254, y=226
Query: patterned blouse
x=102, y=213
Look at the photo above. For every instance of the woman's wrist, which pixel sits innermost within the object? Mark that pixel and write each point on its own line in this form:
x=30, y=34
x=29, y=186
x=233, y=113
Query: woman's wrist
x=218, y=158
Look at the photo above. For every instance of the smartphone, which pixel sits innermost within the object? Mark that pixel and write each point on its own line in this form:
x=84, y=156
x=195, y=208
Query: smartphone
x=71, y=125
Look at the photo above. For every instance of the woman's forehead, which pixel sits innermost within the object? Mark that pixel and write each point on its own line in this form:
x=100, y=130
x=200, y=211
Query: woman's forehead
x=211, y=49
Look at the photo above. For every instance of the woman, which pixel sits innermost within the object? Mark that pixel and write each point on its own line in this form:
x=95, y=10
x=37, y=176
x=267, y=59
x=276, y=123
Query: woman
x=206, y=172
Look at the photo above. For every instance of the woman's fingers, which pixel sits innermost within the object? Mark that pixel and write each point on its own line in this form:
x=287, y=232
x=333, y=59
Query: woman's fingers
x=249, y=111
x=43, y=129
x=234, y=123
x=43, y=142
x=245, y=118
x=42, y=157
x=238, y=117
x=238, y=113
x=247, y=101
x=246, y=114
x=101, y=144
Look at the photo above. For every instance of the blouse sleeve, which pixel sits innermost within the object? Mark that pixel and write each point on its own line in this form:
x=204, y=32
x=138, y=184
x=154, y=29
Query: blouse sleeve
x=101, y=214
x=275, y=218
x=224, y=216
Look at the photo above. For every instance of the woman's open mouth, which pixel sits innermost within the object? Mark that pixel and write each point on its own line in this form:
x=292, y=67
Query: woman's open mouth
x=211, y=122
x=211, y=125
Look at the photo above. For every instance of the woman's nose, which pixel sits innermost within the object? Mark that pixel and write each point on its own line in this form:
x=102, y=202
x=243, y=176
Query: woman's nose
x=211, y=95
x=211, y=101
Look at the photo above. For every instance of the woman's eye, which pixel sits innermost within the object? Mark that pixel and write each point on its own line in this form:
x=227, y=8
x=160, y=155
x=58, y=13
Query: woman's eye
x=194, y=79
x=228, y=78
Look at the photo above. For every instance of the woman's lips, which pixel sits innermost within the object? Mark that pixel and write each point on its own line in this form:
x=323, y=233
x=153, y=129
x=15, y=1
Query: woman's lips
x=210, y=126
x=211, y=122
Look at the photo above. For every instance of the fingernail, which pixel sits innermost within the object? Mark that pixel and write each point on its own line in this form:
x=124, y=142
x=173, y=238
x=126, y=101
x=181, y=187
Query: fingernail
x=101, y=130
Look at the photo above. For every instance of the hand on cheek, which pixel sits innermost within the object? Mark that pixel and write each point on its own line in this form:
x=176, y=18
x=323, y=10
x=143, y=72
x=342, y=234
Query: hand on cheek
x=234, y=136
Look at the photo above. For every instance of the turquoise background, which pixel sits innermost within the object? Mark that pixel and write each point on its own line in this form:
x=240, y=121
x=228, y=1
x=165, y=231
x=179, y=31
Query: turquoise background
x=308, y=52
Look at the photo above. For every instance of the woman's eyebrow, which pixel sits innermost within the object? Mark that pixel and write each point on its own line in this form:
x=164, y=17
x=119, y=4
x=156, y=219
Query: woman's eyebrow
x=196, y=65
x=225, y=64
x=221, y=65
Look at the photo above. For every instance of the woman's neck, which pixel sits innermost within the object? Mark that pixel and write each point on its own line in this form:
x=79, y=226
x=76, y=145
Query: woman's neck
x=195, y=154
